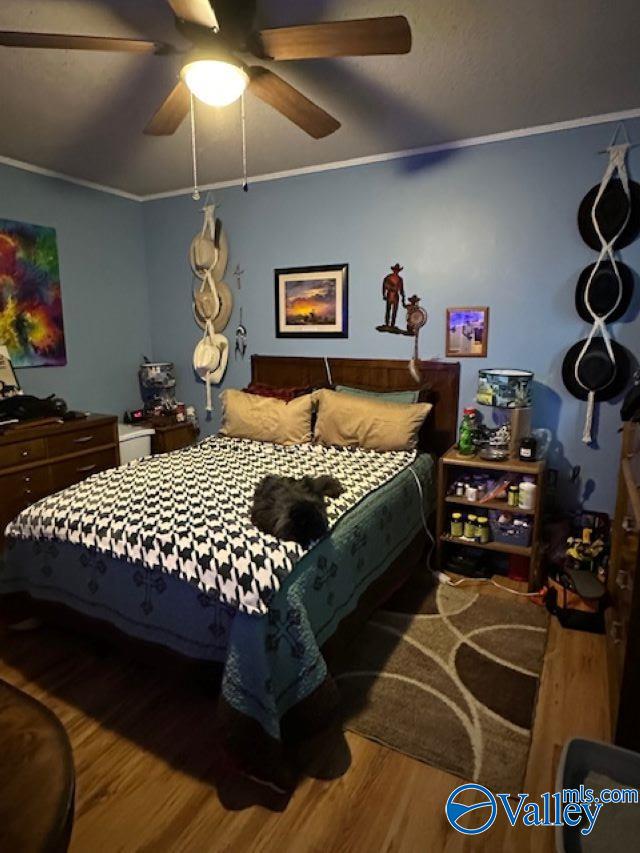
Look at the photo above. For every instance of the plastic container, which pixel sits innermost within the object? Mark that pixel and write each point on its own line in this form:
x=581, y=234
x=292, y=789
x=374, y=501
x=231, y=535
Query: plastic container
x=484, y=533
x=579, y=760
x=508, y=533
x=471, y=527
x=465, y=438
x=135, y=442
x=527, y=495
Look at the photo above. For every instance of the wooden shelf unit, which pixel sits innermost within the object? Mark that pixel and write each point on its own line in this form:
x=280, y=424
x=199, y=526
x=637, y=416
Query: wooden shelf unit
x=519, y=550
x=451, y=465
x=622, y=618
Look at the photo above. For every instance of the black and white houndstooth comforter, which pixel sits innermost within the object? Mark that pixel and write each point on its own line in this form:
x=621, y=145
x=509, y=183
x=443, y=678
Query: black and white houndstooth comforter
x=187, y=513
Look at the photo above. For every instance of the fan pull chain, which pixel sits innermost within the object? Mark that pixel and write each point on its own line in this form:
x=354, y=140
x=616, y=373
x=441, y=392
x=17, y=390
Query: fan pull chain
x=243, y=118
x=195, y=195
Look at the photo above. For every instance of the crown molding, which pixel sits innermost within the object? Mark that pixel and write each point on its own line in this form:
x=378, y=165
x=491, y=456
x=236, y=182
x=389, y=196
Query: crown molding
x=469, y=142
x=69, y=179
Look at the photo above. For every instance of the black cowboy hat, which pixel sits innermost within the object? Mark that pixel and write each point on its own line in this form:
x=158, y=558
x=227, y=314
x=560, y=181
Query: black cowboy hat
x=396, y=268
x=596, y=370
x=611, y=213
x=604, y=291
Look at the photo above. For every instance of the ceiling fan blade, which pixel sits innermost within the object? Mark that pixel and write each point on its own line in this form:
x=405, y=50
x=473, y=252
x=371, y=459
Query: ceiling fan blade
x=279, y=94
x=195, y=12
x=60, y=41
x=171, y=113
x=365, y=37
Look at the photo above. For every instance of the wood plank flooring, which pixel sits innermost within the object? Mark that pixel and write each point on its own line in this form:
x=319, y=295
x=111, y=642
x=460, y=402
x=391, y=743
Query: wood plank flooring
x=152, y=778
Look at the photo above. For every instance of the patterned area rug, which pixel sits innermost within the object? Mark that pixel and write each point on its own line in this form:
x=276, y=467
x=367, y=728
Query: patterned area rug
x=454, y=684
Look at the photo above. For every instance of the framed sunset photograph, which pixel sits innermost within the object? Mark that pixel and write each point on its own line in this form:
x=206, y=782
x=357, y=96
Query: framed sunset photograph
x=311, y=302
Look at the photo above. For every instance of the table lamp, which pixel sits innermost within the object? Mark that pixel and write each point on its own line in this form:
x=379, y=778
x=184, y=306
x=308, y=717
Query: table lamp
x=506, y=388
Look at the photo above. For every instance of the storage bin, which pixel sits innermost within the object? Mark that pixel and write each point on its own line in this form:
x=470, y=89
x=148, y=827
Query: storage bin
x=508, y=533
x=135, y=442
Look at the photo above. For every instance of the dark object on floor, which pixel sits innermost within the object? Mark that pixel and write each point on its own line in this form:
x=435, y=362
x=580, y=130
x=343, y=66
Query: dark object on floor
x=294, y=509
x=472, y=563
x=415, y=682
x=596, y=371
x=27, y=408
x=604, y=291
x=577, y=598
x=611, y=213
x=37, y=776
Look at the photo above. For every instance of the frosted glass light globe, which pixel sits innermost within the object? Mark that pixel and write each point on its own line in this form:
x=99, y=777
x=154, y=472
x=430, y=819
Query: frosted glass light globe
x=215, y=82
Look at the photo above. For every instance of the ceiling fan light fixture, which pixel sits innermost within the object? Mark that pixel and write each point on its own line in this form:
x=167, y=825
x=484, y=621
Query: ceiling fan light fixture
x=215, y=82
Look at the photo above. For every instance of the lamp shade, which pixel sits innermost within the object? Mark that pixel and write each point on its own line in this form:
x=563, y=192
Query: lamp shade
x=216, y=82
x=504, y=388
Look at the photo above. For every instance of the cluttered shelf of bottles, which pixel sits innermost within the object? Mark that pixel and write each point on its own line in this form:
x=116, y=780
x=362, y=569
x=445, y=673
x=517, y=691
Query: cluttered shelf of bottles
x=491, y=506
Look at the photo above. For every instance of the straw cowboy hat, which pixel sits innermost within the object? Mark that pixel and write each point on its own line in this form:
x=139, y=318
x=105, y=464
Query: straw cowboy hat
x=205, y=305
x=203, y=254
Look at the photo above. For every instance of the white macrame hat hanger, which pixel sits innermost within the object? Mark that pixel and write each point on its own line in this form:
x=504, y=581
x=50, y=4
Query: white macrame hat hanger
x=617, y=164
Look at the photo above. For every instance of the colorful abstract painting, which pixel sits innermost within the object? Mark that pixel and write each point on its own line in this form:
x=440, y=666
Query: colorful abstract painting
x=30, y=300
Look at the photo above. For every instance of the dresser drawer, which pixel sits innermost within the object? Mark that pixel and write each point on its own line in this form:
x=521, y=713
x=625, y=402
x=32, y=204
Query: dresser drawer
x=82, y=439
x=22, y=452
x=28, y=486
x=67, y=473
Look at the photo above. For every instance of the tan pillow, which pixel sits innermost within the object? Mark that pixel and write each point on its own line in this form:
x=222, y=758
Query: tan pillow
x=265, y=418
x=349, y=421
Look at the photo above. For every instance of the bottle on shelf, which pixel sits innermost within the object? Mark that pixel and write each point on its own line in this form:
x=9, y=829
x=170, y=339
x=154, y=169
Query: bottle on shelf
x=467, y=426
x=457, y=528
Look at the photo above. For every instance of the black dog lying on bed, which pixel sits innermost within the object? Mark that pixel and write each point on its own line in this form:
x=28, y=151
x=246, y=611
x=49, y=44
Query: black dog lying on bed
x=294, y=509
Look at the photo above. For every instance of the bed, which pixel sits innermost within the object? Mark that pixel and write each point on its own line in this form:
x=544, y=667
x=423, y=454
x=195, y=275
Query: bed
x=266, y=618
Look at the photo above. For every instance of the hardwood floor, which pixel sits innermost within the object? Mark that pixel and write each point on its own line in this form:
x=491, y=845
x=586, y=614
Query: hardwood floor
x=151, y=777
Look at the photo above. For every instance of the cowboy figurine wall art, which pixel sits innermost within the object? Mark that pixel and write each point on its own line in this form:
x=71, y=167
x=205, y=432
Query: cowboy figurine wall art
x=392, y=294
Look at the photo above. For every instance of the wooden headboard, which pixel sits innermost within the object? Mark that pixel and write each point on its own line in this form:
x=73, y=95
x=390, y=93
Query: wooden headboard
x=440, y=385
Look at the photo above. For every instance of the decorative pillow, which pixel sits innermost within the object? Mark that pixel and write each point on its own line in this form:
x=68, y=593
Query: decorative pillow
x=382, y=396
x=265, y=418
x=349, y=421
x=263, y=390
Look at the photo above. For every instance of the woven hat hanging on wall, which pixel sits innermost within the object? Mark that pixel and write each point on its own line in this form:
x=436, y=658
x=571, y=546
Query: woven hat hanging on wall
x=598, y=368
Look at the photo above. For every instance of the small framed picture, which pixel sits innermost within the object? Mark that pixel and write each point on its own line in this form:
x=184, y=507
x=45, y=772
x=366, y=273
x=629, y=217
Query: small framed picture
x=312, y=302
x=467, y=332
x=8, y=380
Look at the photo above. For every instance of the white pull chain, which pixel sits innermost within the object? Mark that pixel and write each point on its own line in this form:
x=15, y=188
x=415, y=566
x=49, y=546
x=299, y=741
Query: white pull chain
x=194, y=158
x=243, y=121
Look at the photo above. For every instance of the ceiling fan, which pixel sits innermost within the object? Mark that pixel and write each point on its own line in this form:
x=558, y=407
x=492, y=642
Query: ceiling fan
x=216, y=75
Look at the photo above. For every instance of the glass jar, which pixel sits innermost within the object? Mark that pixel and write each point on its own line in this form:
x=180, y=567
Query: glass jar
x=483, y=530
x=456, y=525
x=471, y=527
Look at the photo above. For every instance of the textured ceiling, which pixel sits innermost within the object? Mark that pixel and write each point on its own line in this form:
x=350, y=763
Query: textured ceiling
x=477, y=67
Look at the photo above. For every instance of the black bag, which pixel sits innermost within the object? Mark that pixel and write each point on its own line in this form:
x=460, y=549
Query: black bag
x=27, y=408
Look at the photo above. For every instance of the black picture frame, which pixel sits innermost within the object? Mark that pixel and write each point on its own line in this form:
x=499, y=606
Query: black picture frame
x=285, y=275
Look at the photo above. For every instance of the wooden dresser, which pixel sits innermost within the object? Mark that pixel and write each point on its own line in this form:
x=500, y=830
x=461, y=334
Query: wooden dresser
x=623, y=617
x=39, y=458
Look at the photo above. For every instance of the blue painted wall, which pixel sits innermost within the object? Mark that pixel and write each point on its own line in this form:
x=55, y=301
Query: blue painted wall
x=493, y=224
x=104, y=288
